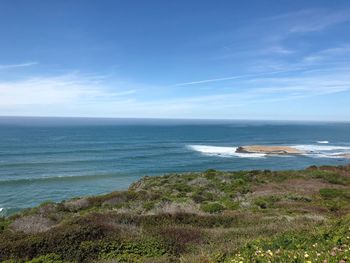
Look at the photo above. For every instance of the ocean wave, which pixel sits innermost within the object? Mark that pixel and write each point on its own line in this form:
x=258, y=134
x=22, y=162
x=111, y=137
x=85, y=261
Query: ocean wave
x=54, y=152
x=223, y=151
x=320, y=148
x=59, y=178
x=7, y=211
x=310, y=150
x=323, y=151
x=323, y=142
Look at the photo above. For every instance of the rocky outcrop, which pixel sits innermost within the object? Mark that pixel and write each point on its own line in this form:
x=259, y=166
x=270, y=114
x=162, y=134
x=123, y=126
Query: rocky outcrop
x=268, y=149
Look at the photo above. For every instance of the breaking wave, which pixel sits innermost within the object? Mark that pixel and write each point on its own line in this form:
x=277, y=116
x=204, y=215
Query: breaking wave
x=321, y=148
x=223, y=151
x=310, y=150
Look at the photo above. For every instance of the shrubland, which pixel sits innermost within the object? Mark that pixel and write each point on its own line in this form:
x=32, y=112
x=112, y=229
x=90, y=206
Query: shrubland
x=213, y=216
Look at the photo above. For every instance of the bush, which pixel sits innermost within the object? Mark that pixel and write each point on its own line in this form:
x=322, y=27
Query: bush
x=4, y=223
x=148, y=205
x=63, y=240
x=49, y=258
x=332, y=177
x=134, y=249
x=177, y=239
x=329, y=193
x=212, y=208
x=32, y=224
x=182, y=187
x=266, y=202
x=201, y=195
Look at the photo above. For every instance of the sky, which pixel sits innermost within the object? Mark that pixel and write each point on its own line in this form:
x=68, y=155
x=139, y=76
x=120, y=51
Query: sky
x=258, y=60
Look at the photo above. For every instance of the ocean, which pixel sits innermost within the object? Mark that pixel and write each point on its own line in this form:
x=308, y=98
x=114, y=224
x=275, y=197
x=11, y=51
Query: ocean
x=53, y=159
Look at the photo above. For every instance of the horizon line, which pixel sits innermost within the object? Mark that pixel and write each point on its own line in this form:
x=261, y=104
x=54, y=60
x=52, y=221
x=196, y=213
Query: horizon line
x=171, y=119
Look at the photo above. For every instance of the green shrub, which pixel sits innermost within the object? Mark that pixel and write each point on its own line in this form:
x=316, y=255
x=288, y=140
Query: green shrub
x=210, y=174
x=266, y=201
x=148, y=205
x=134, y=249
x=329, y=193
x=201, y=195
x=332, y=177
x=4, y=223
x=64, y=240
x=177, y=239
x=299, y=198
x=321, y=245
x=182, y=187
x=212, y=208
x=49, y=258
x=229, y=203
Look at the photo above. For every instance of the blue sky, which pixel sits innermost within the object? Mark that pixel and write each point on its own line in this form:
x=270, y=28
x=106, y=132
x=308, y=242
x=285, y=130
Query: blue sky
x=283, y=60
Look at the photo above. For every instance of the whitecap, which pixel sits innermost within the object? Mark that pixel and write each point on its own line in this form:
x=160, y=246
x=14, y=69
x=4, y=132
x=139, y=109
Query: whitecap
x=319, y=148
x=223, y=151
x=323, y=151
x=1, y=209
x=310, y=150
x=323, y=155
x=322, y=142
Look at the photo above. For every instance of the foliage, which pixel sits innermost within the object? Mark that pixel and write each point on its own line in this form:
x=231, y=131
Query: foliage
x=242, y=216
x=322, y=245
x=212, y=207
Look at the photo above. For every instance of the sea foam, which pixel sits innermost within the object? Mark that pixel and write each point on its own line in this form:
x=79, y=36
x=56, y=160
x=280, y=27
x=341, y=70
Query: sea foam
x=319, y=148
x=323, y=151
x=310, y=150
x=223, y=151
x=323, y=142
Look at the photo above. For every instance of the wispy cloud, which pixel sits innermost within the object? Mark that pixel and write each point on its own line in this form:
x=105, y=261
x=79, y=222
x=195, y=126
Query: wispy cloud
x=21, y=65
x=277, y=50
x=232, y=78
x=59, y=90
x=334, y=53
x=78, y=95
x=310, y=20
x=248, y=93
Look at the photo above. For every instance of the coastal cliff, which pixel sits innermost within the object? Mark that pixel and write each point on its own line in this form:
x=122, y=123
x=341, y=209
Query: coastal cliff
x=213, y=216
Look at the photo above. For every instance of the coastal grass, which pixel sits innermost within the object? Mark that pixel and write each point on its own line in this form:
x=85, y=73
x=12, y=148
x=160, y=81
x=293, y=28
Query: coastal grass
x=213, y=216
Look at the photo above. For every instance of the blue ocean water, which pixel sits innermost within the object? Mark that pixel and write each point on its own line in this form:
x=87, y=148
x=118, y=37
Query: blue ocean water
x=58, y=158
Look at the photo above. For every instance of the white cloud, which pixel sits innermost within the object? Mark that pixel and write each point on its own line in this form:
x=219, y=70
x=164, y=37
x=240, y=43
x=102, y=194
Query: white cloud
x=311, y=20
x=58, y=90
x=334, y=53
x=228, y=78
x=22, y=65
x=93, y=96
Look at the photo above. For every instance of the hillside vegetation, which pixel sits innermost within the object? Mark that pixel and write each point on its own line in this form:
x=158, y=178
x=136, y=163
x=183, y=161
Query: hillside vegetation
x=214, y=216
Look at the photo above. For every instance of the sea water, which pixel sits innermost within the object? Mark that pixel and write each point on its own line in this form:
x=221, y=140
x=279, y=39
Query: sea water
x=52, y=159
